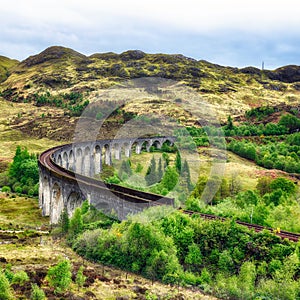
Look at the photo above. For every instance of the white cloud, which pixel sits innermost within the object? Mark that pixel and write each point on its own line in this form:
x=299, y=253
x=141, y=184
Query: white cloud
x=157, y=25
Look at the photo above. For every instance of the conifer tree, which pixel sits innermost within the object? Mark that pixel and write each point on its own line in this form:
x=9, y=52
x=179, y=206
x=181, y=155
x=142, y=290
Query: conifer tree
x=80, y=278
x=64, y=222
x=60, y=276
x=187, y=175
x=151, y=174
x=159, y=170
x=166, y=158
x=178, y=162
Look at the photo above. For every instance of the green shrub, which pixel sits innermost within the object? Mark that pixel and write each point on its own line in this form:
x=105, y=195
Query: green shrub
x=20, y=278
x=59, y=276
x=37, y=293
x=6, y=189
x=5, y=289
x=80, y=278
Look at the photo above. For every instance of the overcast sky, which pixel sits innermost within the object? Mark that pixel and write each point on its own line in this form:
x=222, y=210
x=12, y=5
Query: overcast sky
x=227, y=32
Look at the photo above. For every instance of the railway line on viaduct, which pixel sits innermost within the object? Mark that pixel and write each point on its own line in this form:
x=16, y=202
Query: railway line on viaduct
x=66, y=180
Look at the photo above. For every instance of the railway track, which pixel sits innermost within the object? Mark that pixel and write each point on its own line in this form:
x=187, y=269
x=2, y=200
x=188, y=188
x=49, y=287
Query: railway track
x=46, y=160
x=295, y=237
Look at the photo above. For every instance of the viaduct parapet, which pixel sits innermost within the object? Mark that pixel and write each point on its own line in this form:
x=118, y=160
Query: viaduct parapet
x=67, y=178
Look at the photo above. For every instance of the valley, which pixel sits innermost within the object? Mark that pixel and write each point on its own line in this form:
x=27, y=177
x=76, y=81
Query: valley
x=237, y=129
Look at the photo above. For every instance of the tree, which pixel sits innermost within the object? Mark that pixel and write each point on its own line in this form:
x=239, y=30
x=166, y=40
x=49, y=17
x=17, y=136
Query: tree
x=5, y=290
x=194, y=257
x=187, y=174
x=76, y=224
x=234, y=183
x=170, y=178
x=160, y=172
x=166, y=158
x=229, y=125
x=151, y=174
x=80, y=278
x=85, y=207
x=23, y=172
x=37, y=293
x=225, y=262
x=20, y=278
x=178, y=162
x=125, y=169
x=64, y=222
x=291, y=122
x=263, y=185
x=284, y=184
x=60, y=276
x=107, y=171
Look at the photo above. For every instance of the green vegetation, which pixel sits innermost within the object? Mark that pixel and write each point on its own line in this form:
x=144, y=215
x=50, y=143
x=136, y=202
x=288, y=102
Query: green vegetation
x=220, y=257
x=5, y=289
x=283, y=155
x=73, y=101
x=274, y=203
x=20, y=278
x=59, y=276
x=37, y=293
x=23, y=175
x=80, y=278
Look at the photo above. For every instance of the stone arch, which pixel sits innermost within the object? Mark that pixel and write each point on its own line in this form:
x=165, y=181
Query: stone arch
x=45, y=194
x=136, y=147
x=157, y=144
x=59, y=160
x=65, y=160
x=78, y=161
x=71, y=161
x=56, y=205
x=166, y=143
x=145, y=146
x=117, y=150
x=86, y=162
x=107, y=154
x=127, y=149
x=97, y=159
x=74, y=200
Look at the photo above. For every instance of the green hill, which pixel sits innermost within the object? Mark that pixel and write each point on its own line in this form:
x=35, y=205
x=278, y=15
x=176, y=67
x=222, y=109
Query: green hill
x=6, y=65
x=229, y=90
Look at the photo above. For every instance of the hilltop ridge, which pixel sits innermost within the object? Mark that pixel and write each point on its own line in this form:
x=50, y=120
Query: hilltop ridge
x=62, y=70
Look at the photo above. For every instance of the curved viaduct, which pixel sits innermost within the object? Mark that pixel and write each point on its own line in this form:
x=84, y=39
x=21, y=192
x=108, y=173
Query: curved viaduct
x=66, y=178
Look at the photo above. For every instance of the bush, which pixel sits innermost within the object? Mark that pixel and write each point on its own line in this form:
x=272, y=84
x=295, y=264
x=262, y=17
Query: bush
x=37, y=293
x=59, y=276
x=5, y=290
x=20, y=278
x=80, y=278
x=6, y=189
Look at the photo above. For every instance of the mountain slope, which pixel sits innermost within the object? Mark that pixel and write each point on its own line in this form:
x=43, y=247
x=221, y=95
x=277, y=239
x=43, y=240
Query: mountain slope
x=6, y=65
x=229, y=90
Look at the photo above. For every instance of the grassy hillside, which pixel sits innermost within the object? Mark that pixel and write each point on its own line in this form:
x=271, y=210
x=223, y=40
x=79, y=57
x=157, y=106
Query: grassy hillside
x=6, y=65
x=229, y=90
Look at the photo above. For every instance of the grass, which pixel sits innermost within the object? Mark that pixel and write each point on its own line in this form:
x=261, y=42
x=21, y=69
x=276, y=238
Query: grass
x=10, y=137
x=12, y=212
x=95, y=74
x=36, y=255
x=202, y=163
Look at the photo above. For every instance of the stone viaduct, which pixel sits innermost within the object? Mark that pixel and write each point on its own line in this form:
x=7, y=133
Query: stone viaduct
x=67, y=178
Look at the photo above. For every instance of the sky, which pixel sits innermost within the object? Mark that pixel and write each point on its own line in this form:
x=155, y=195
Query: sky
x=227, y=32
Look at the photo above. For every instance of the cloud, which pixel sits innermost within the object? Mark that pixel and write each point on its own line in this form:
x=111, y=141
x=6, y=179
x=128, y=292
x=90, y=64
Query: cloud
x=228, y=32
